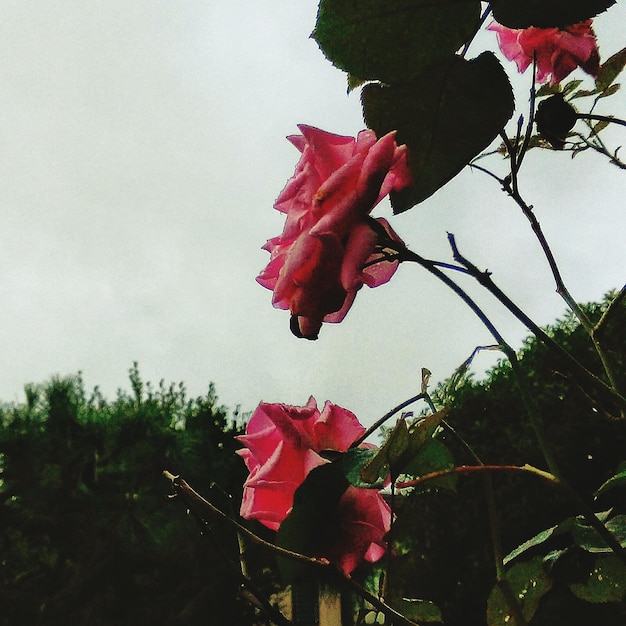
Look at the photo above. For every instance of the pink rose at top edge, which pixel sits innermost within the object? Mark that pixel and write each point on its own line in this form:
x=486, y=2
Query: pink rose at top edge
x=281, y=446
x=319, y=261
x=559, y=50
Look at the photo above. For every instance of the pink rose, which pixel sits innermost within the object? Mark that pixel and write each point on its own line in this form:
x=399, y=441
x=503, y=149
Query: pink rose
x=328, y=248
x=282, y=445
x=559, y=50
x=358, y=531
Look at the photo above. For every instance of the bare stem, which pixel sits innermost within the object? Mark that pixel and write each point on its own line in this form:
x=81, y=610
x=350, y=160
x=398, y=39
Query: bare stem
x=510, y=185
x=531, y=115
x=378, y=423
x=494, y=526
x=584, y=508
x=513, y=191
x=577, y=369
x=601, y=118
x=483, y=19
x=608, y=315
x=599, y=146
x=466, y=470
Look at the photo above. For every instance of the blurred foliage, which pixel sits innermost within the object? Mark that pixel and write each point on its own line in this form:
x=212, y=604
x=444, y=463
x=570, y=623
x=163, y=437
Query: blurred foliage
x=445, y=552
x=88, y=534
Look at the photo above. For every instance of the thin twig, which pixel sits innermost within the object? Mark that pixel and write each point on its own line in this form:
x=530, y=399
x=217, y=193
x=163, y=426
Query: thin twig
x=586, y=511
x=486, y=171
x=510, y=185
x=599, y=147
x=601, y=118
x=182, y=487
x=531, y=115
x=610, y=312
x=579, y=370
x=466, y=470
x=483, y=19
x=379, y=422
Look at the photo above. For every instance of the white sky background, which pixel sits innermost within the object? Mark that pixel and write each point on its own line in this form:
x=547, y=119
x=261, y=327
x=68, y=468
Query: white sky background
x=141, y=150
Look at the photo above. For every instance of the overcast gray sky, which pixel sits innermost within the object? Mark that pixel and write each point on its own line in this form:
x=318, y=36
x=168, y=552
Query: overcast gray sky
x=141, y=150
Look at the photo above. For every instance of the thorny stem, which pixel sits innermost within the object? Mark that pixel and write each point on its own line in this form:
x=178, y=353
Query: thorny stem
x=483, y=19
x=560, y=285
x=248, y=589
x=511, y=188
x=531, y=115
x=609, y=314
x=483, y=278
x=598, y=146
x=504, y=346
x=581, y=372
x=408, y=255
x=484, y=170
x=601, y=118
x=586, y=511
x=404, y=254
x=377, y=603
x=181, y=487
x=378, y=423
x=494, y=526
x=510, y=185
x=466, y=470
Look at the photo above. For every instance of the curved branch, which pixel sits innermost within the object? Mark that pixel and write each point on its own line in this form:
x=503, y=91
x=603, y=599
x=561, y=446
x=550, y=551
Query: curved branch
x=193, y=497
x=576, y=368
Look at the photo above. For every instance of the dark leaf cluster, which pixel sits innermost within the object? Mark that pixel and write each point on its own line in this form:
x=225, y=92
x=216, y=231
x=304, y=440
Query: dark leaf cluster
x=88, y=533
x=445, y=552
x=410, y=57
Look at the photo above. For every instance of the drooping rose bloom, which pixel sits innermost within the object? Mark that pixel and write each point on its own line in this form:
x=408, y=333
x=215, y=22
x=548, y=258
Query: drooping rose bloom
x=282, y=445
x=319, y=261
x=559, y=50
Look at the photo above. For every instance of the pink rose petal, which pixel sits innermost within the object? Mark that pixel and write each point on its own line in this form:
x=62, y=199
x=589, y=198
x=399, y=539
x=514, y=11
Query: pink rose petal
x=558, y=51
x=282, y=445
x=317, y=264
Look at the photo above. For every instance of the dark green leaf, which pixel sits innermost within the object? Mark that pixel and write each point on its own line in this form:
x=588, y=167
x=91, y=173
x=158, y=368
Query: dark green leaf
x=529, y=583
x=401, y=447
x=606, y=582
x=392, y=42
x=610, y=70
x=588, y=538
x=609, y=91
x=581, y=93
x=418, y=610
x=423, y=429
x=446, y=116
x=354, y=460
x=433, y=456
x=390, y=456
x=552, y=557
x=354, y=82
x=618, y=480
x=546, y=13
x=548, y=89
x=597, y=128
x=314, y=503
x=540, y=538
x=570, y=86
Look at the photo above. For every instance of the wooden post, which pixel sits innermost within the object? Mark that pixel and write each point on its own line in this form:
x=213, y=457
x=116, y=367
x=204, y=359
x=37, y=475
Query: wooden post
x=330, y=607
x=309, y=603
